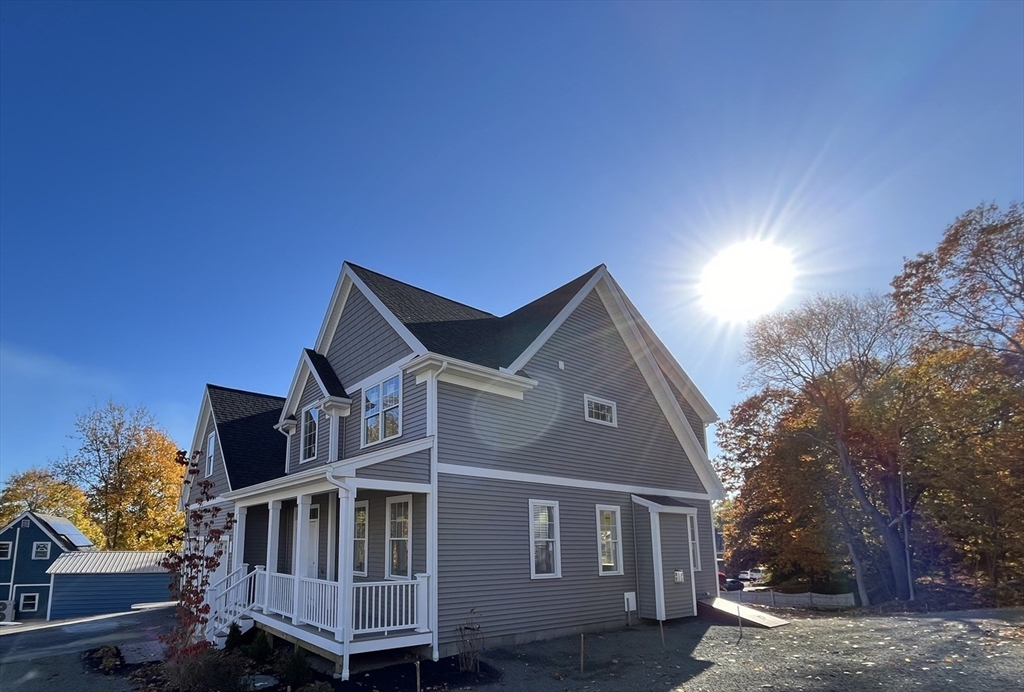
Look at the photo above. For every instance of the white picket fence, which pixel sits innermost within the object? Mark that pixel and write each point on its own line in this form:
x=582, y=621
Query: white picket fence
x=790, y=600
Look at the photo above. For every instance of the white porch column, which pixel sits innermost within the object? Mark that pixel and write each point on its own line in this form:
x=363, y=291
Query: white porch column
x=299, y=556
x=346, y=518
x=239, y=538
x=273, y=530
x=332, y=545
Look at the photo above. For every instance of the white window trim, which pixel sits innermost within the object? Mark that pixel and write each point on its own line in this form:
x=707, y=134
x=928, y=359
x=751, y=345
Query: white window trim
x=691, y=521
x=38, y=543
x=302, y=436
x=396, y=499
x=10, y=549
x=557, y=574
x=618, y=540
x=362, y=409
x=587, y=398
x=211, y=446
x=363, y=504
x=21, y=603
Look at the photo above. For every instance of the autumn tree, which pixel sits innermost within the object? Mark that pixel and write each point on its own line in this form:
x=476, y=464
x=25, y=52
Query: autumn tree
x=39, y=490
x=128, y=470
x=970, y=289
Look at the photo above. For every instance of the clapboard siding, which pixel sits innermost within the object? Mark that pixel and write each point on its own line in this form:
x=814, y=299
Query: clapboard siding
x=414, y=420
x=414, y=468
x=286, y=537
x=484, y=559
x=257, y=519
x=78, y=595
x=647, y=604
x=219, y=476
x=364, y=342
x=547, y=433
x=377, y=527
x=218, y=519
x=675, y=554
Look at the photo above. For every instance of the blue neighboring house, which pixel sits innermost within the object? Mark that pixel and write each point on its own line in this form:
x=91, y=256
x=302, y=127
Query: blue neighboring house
x=28, y=546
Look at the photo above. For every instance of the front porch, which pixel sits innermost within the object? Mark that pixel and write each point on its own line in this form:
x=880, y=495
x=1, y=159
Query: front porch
x=340, y=573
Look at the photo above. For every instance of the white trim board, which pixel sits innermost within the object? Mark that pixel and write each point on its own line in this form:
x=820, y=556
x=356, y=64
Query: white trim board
x=517, y=476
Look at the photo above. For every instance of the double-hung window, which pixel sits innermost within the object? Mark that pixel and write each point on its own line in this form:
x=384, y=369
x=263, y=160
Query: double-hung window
x=545, y=548
x=29, y=602
x=694, y=543
x=41, y=550
x=382, y=411
x=399, y=541
x=211, y=443
x=359, y=538
x=609, y=540
x=599, y=410
x=5, y=550
x=310, y=421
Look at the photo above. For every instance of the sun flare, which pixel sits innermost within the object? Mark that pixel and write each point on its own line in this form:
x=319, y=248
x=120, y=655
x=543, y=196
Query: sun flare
x=746, y=280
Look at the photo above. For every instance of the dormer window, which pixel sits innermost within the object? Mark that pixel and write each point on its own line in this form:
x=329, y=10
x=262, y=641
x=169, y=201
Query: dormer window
x=310, y=421
x=599, y=410
x=211, y=443
x=382, y=411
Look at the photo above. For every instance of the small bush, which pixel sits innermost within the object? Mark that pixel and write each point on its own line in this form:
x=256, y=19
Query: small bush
x=108, y=659
x=261, y=649
x=234, y=638
x=206, y=671
x=294, y=669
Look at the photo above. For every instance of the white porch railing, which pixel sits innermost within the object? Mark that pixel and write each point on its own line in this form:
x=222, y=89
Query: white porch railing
x=389, y=605
x=319, y=603
x=280, y=594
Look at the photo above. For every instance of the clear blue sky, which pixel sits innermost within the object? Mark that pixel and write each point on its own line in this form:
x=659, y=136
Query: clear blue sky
x=180, y=183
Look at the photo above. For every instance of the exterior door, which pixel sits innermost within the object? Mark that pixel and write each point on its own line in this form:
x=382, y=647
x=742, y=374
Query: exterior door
x=678, y=592
x=313, y=543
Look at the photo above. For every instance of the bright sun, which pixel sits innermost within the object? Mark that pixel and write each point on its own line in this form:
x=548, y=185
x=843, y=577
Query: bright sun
x=746, y=280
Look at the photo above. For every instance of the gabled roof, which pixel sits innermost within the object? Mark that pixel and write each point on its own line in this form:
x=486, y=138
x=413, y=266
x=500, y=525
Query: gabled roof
x=460, y=331
x=253, y=450
x=325, y=374
x=62, y=531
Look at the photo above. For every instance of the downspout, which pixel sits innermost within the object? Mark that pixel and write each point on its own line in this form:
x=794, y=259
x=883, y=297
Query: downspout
x=636, y=559
x=432, y=568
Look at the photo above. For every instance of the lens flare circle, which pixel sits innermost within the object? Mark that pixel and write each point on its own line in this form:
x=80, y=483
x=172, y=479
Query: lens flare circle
x=746, y=280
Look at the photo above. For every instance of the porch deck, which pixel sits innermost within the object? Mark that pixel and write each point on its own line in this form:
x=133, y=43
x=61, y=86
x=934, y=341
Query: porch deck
x=324, y=642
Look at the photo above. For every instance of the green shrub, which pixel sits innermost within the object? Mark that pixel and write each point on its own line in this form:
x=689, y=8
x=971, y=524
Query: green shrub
x=294, y=669
x=234, y=639
x=206, y=671
x=261, y=649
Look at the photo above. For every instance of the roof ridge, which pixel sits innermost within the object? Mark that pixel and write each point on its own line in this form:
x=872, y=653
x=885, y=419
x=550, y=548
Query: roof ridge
x=422, y=290
x=585, y=275
x=243, y=391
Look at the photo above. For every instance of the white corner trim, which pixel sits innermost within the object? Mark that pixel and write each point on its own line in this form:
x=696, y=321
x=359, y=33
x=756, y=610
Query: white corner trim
x=542, y=338
x=659, y=567
x=563, y=481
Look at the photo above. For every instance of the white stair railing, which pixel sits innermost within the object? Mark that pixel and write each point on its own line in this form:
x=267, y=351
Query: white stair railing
x=233, y=601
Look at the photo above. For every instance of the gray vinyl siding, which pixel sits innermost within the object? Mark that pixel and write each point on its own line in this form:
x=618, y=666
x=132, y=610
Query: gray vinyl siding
x=675, y=554
x=696, y=424
x=647, y=604
x=323, y=501
x=413, y=468
x=484, y=559
x=286, y=537
x=311, y=393
x=546, y=432
x=377, y=527
x=257, y=519
x=219, y=519
x=706, y=579
x=364, y=342
x=414, y=419
x=219, y=476
x=78, y=595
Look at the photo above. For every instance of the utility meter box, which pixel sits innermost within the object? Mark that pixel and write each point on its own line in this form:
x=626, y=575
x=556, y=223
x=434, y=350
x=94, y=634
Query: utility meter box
x=630, y=601
x=680, y=576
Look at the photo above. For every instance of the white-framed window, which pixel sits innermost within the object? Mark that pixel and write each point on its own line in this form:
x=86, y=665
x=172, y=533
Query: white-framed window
x=360, y=538
x=5, y=550
x=28, y=603
x=399, y=542
x=694, y=542
x=211, y=444
x=609, y=540
x=382, y=411
x=41, y=550
x=599, y=410
x=310, y=423
x=545, y=544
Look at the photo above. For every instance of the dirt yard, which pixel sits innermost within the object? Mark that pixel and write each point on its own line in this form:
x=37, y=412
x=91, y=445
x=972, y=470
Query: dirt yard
x=965, y=650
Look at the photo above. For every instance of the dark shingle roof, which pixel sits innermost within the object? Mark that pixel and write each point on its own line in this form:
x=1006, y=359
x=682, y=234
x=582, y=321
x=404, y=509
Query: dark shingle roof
x=326, y=373
x=453, y=329
x=665, y=501
x=253, y=450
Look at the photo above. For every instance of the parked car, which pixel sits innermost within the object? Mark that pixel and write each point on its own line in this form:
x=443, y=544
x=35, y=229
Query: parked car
x=733, y=585
x=752, y=575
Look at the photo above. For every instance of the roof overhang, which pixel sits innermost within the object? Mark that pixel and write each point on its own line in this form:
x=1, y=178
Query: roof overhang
x=470, y=375
x=667, y=508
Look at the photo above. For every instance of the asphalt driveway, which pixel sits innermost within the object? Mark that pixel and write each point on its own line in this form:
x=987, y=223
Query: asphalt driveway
x=49, y=658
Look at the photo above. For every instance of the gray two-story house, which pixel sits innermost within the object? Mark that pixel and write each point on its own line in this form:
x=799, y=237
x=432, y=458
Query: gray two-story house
x=541, y=473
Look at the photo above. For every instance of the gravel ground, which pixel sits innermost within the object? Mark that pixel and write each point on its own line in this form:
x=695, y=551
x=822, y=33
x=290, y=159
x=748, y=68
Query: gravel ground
x=965, y=650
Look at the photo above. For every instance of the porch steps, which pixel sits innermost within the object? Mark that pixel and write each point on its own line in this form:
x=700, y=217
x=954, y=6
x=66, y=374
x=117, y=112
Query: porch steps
x=727, y=612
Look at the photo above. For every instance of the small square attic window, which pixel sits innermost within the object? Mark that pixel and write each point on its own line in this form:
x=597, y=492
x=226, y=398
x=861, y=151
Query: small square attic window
x=599, y=410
